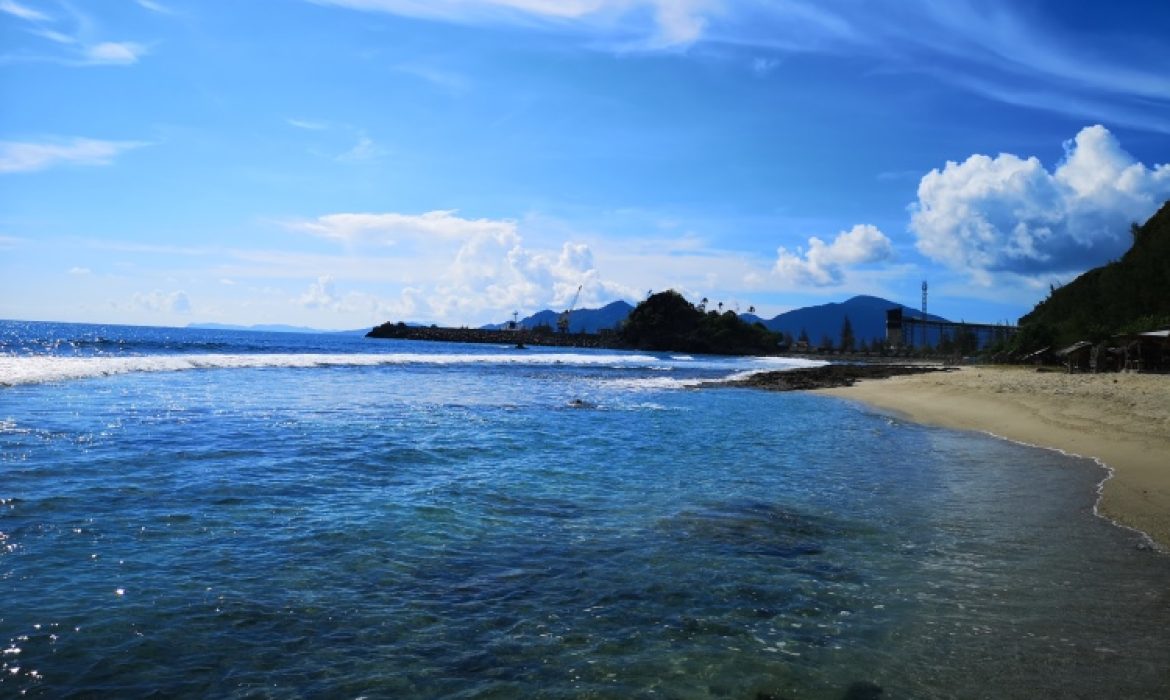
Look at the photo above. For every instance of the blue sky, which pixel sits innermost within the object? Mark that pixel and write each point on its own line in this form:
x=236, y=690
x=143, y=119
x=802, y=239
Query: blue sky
x=340, y=163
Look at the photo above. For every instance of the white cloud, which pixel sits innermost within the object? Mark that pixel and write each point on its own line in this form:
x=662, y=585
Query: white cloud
x=391, y=228
x=15, y=9
x=156, y=301
x=461, y=268
x=364, y=149
x=80, y=271
x=320, y=294
x=155, y=7
x=675, y=22
x=24, y=156
x=114, y=53
x=1004, y=50
x=307, y=124
x=763, y=66
x=824, y=264
x=449, y=81
x=1009, y=214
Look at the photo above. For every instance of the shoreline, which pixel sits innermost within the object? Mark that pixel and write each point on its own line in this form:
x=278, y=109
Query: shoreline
x=1122, y=421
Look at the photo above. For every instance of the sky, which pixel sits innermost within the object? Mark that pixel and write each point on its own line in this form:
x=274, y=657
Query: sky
x=342, y=163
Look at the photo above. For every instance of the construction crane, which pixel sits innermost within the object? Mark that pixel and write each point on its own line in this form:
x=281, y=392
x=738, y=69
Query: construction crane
x=563, y=321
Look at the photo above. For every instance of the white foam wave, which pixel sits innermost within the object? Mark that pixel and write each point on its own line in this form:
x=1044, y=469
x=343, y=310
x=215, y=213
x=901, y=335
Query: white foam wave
x=15, y=370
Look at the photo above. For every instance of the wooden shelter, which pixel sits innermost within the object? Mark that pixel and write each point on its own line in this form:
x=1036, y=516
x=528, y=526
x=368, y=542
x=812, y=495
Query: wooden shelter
x=1078, y=357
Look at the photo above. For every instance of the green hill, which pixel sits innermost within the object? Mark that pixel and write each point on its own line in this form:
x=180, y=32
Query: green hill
x=667, y=321
x=1130, y=294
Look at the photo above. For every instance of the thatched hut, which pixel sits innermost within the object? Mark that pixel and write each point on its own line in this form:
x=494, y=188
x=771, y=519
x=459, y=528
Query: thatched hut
x=1077, y=357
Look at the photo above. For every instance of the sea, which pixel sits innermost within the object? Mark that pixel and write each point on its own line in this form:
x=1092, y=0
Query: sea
x=230, y=514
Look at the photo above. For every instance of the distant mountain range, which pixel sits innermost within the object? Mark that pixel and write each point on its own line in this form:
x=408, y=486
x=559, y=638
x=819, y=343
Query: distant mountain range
x=867, y=315
x=607, y=317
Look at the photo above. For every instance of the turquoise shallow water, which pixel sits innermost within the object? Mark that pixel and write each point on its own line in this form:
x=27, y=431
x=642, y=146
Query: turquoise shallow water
x=195, y=514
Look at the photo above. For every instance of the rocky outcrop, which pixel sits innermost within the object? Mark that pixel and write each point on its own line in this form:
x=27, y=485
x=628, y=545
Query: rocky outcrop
x=826, y=377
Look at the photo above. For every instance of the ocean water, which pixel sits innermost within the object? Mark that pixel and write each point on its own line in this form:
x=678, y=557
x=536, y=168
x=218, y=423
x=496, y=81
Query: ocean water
x=194, y=514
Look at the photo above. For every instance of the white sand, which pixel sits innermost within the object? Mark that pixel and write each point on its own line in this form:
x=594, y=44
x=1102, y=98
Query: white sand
x=1122, y=420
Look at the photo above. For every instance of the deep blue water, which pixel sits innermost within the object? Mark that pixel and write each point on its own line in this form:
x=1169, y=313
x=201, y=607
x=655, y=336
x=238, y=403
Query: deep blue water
x=231, y=514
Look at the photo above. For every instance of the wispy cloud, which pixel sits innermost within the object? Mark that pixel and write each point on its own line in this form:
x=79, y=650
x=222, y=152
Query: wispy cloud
x=993, y=48
x=155, y=7
x=392, y=228
x=364, y=149
x=115, y=53
x=671, y=23
x=449, y=81
x=15, y=9
x=27, y=156
x=307, y=124
x=73, y=38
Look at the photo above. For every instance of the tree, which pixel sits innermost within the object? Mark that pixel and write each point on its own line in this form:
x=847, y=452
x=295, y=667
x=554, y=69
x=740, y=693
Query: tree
x=667, y=321
x=803, y=337
x=847, y=340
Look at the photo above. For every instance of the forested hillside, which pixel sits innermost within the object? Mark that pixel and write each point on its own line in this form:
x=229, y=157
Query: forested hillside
x=1130, y=294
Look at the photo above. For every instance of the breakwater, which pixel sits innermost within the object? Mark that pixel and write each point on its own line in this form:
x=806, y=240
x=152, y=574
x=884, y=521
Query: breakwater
x=505, y=337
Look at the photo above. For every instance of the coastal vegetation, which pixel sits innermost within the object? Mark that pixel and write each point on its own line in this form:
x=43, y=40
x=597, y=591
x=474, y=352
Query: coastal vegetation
x=667, y=321
x=1128, y=295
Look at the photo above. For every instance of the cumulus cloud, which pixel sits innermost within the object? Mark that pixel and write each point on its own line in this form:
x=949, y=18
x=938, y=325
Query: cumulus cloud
x=1010, y=214
x=320, y=294
x=27, y=156
x=175, y=302
x=465, y=268
x=824, y=264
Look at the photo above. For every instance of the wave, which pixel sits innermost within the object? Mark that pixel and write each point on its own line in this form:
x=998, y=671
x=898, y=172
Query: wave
x=42, y=369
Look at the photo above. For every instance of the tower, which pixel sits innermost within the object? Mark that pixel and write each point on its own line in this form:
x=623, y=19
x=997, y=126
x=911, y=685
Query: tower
x=924, y=313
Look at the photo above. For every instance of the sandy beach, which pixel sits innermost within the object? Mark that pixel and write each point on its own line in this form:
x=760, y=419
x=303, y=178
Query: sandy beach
x=1122, y=420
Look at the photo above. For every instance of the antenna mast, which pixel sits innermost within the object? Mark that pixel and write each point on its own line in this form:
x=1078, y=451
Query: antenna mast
x=923, y=313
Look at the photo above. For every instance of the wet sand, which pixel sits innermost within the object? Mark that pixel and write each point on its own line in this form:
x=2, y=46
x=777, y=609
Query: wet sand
x=1123, y=420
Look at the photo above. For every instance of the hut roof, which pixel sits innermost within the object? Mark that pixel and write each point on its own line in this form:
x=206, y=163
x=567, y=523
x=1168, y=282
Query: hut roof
x=1075, y=347
x=1037, y=353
